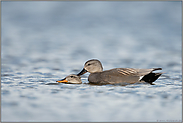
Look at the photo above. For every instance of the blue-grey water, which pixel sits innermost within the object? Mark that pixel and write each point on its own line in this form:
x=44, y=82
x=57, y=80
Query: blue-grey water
x=45, y=41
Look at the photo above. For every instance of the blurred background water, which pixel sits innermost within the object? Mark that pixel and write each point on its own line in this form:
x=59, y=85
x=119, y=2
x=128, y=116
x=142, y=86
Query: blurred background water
x=42, y=42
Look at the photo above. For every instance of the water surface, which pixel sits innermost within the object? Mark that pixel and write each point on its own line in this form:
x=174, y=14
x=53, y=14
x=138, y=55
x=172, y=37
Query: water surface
x=45, y=41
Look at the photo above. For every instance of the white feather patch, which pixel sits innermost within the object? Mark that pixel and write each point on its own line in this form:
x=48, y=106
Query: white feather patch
x=141, y=77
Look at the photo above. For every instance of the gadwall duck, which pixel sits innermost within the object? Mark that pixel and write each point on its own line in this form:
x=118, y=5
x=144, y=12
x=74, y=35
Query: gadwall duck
x=117, y=75
x=71, y=79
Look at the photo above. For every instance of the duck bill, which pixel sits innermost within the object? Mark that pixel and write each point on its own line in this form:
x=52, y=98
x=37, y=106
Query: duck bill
x=82, y=72
x=62, y=81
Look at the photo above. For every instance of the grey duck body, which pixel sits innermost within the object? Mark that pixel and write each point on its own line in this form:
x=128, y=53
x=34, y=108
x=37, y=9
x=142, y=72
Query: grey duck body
x=117, y=75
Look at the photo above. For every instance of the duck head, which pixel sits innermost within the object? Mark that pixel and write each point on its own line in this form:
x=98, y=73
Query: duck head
x=92, y=66
x=71, y=79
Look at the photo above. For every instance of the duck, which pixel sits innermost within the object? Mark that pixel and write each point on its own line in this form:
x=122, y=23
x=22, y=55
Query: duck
x=118, y=75
x=71, y=79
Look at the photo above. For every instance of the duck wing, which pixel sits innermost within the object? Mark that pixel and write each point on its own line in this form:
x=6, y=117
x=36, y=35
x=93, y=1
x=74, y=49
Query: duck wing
x=130, y=75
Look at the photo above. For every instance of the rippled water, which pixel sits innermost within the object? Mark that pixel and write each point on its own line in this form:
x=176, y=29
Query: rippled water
x=45, y=41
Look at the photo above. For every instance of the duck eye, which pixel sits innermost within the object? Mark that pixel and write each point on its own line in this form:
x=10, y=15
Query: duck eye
x=72, y=76
x=89, y=64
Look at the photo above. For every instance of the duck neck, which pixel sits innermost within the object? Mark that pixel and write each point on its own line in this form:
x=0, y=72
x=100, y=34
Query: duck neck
x=96, y=70
x=100, y=70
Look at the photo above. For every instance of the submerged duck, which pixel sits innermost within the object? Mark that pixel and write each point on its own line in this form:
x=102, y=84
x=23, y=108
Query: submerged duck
x=71, y=79
x=117, y=75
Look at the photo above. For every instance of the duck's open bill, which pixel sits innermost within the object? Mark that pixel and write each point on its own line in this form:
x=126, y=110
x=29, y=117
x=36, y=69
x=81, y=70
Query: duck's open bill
x=82, y=72
x=62, y=81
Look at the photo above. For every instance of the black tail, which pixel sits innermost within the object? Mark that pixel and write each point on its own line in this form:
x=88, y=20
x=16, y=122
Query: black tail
x=157, y=69
x=151, y=77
